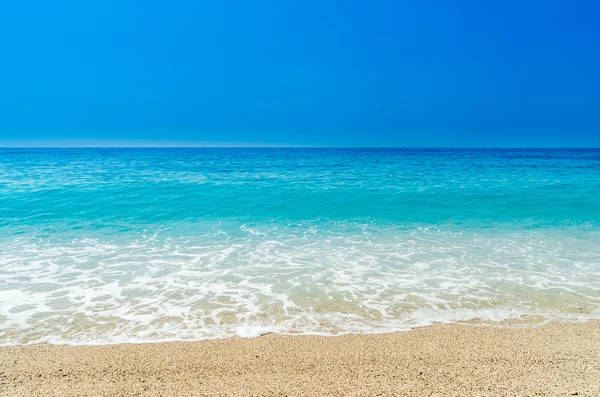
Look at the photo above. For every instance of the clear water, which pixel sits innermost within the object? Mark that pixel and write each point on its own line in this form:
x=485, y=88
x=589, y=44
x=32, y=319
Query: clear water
x=115, y=245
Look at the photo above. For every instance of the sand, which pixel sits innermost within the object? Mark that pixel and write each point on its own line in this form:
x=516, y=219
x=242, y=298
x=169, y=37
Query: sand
x=558, y=359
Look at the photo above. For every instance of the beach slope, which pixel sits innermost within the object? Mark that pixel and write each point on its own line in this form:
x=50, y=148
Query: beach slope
x=558, y=359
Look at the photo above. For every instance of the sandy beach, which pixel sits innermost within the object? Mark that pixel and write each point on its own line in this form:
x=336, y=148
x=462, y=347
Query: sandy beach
x=443, y=360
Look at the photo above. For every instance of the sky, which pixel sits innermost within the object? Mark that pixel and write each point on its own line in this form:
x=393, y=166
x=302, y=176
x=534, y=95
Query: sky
x=300, y=73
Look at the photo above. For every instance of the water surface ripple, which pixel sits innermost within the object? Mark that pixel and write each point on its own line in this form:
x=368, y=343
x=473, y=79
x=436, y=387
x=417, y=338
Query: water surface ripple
x=116, y=245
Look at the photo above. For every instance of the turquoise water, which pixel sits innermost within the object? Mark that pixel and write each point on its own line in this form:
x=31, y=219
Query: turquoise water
x=116, y=245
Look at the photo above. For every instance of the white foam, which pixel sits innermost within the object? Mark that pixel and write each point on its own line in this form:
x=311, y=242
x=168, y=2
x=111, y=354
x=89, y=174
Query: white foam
x=176, y=283
x=247, y=331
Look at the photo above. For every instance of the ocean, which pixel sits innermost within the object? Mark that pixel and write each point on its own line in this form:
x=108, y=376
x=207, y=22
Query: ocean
x=144, y=245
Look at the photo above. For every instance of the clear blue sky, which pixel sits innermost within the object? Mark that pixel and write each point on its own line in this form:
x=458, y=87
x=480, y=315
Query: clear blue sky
x=345, y=73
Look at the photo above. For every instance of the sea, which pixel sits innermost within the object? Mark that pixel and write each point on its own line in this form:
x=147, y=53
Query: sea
x=102, y=246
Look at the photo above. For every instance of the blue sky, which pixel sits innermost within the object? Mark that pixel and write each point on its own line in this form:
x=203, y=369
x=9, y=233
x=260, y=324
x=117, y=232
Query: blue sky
x=317, y=73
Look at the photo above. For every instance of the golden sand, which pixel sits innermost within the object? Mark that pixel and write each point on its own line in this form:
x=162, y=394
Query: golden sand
x=443, y=360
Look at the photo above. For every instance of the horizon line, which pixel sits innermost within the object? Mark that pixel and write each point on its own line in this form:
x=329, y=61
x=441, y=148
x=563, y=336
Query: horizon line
x=78, y=143
x=303, y=147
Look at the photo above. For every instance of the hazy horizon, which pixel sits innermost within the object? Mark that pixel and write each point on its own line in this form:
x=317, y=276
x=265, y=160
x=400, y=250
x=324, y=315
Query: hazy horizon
x=130, y=144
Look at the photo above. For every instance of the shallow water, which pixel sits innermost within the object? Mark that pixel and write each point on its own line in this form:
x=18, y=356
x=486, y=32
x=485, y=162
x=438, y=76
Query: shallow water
x=115, y=245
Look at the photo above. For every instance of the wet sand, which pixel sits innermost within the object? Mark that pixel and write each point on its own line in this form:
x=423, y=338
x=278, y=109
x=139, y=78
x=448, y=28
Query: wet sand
x=558, y=359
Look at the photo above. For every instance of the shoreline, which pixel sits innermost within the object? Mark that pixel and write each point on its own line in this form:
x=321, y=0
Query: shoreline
x=525, y=321
x=559, y=358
